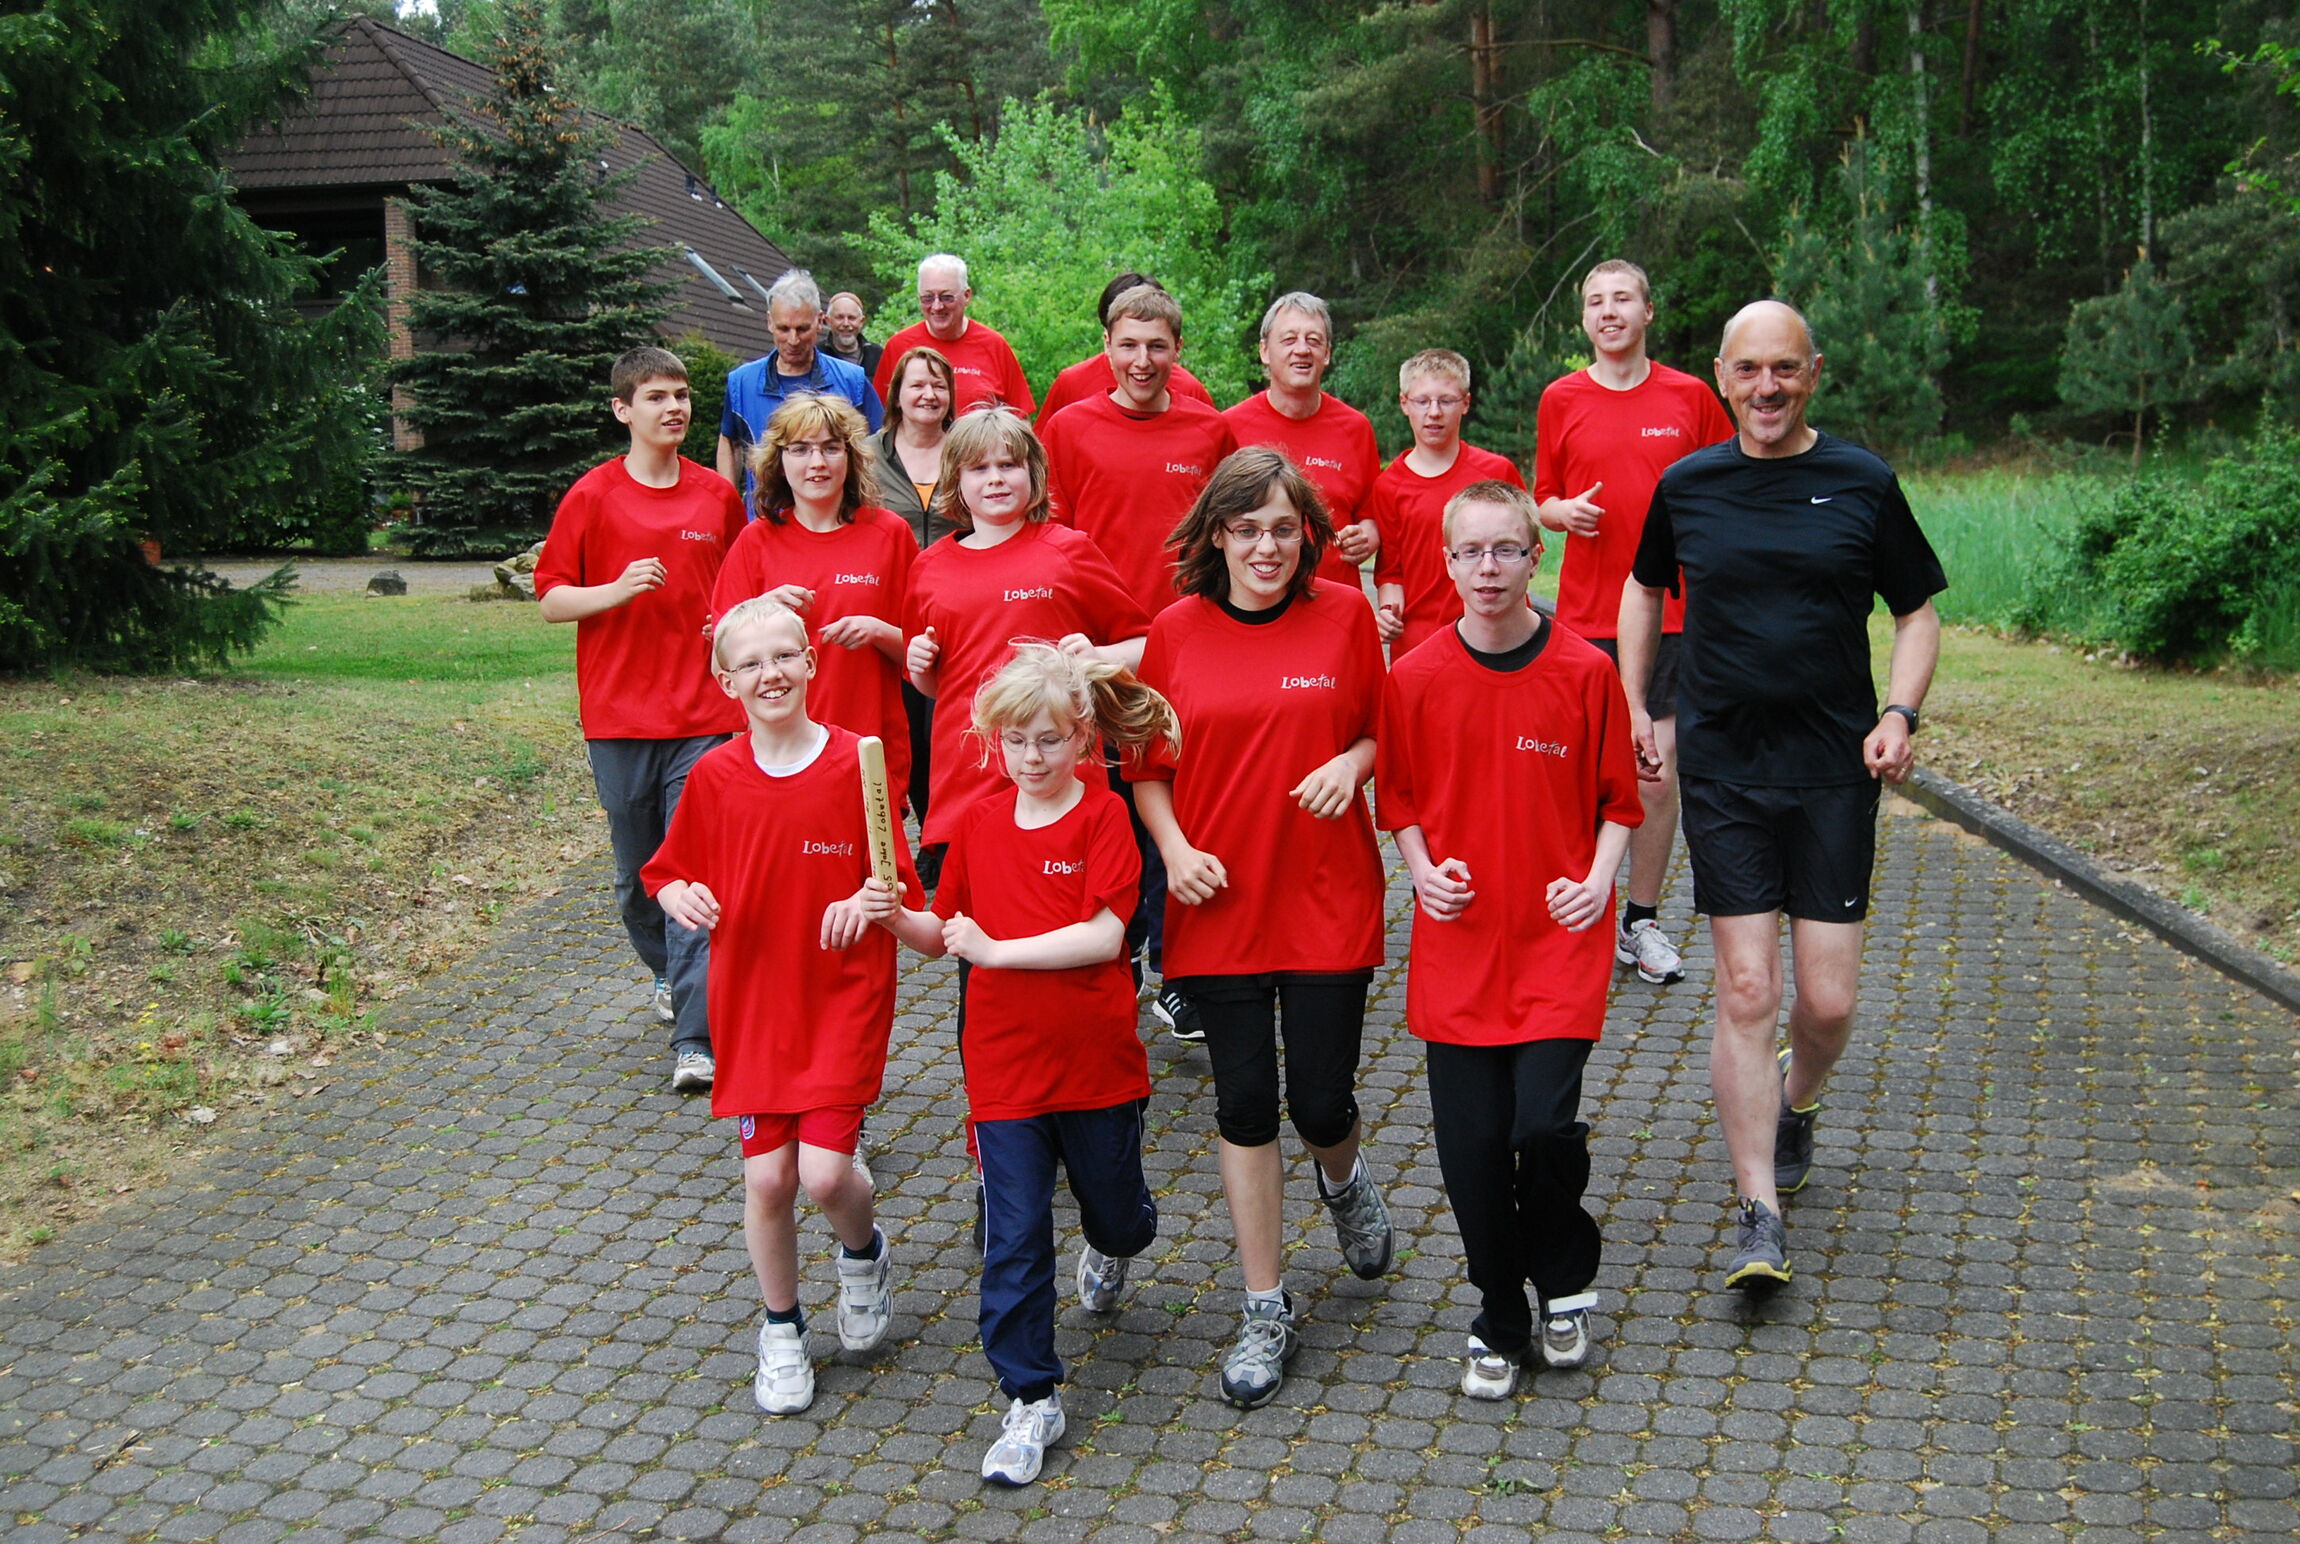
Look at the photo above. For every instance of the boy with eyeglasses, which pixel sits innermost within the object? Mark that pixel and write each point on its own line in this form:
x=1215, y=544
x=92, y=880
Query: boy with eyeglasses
x=1505, y=775
x=1413, y=595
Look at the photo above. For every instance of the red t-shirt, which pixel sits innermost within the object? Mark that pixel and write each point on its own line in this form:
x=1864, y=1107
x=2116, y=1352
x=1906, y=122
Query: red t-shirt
x=1042, y=582
x=1589, y=433
x=1093, y=377
x=861, y=568
x=1038, y=1041
x=981, y=362
x=1334, y=446
x=1262, y=707
x=1127, y=479
x=1512, y=772
x=1409, y=509
x=794, y=1026
x=643, y=670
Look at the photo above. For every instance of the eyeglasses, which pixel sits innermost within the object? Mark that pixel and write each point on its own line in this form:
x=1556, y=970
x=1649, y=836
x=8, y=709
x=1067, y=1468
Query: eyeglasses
x=1504, y=553
x=781, y=659
x=1250, y=534
x=1427, y=404
x=939, y=297
x=803, y=450
x=1049, y=745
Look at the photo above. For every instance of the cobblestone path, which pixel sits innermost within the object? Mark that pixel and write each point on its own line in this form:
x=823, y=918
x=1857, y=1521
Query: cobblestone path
x=490, y=1284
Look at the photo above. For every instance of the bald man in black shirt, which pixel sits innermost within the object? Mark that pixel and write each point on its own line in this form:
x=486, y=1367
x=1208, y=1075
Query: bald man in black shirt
x=1784, y=534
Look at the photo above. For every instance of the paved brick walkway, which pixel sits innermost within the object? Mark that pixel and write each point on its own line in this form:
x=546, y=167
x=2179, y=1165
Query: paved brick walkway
x=491, y=1285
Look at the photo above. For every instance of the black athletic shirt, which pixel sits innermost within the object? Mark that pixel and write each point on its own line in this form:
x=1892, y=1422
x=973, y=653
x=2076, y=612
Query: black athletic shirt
x=1781, y=558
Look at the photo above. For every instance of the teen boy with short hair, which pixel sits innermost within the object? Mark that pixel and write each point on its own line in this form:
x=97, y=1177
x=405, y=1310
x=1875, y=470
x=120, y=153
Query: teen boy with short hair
x=633, y=553
x=1504, y=771
x=1413, y=595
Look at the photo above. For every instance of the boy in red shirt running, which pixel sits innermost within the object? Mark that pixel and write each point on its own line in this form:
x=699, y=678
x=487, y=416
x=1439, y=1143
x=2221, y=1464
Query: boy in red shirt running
x=634, y=550
x=770, y=851
x=1606, y=435
x=1414, y=596
x=1034, y=898
x=1504, y=772
x=1093, y=375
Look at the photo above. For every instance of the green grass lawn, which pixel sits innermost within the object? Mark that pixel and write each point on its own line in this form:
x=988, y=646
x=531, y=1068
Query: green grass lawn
x=212, y=878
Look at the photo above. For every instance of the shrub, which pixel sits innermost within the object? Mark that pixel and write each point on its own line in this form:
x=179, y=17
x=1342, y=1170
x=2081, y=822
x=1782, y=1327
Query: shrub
x=2176, y=569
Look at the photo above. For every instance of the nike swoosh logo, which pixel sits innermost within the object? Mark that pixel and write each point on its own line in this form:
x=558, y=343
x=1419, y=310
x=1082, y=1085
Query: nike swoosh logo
x=1824, y=501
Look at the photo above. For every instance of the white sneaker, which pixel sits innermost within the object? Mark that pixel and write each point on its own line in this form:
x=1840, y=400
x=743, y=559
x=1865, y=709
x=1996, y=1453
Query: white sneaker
x=866, y=1298
x=785, y=1381
x=1487, y=1373
x=1101, y=1279
x=663, y=1008
x=1645, y=946
x=1020, y=1451
x=1565, y=1332
x=692, y=1072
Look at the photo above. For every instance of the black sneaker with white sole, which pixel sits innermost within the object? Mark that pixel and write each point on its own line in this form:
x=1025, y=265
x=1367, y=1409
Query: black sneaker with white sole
x=1179, y=1014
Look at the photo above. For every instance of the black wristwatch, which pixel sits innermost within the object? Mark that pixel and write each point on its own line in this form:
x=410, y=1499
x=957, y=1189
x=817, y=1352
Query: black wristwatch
x=1906, y=712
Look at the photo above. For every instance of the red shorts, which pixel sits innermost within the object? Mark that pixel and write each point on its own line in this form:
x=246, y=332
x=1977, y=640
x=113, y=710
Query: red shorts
x=836, y=1127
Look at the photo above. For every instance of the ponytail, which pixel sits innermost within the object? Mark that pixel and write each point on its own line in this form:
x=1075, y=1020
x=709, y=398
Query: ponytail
x=1109, y=700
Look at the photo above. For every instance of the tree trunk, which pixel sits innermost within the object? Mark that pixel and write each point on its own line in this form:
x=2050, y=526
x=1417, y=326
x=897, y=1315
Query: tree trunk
x=1661, y=47
x=2147, y=147
x=1485, y=102
x=1920, y=89
x=1973, y=18
x=901, y=123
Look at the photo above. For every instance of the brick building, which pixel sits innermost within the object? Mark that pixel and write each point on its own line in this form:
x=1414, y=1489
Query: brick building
x=335, y=170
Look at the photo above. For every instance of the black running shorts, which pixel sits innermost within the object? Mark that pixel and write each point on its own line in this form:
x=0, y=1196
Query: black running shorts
x=1661, y=690
x=1804, y=851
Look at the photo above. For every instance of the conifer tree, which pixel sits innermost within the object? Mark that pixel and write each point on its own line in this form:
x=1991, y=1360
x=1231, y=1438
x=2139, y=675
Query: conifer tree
x=156, y=382
x=539, y=289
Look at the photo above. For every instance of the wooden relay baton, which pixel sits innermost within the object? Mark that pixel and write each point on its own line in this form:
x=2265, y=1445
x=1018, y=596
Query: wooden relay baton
x=878, y=812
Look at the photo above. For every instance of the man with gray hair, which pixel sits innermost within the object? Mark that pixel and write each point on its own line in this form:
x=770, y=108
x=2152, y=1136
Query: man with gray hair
x=1331, y=441
x=1783, y=536
x=755, y=390
x=981, y=363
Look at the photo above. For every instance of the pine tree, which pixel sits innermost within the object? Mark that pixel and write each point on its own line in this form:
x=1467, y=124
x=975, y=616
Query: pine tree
x=2128, y=352
x=155, y=380
x=540, y=288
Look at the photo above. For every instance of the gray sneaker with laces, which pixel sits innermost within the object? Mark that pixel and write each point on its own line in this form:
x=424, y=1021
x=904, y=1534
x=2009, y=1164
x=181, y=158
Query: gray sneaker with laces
x=1792, y=1139
x=1761, y=1262
x=692, y=1072
x=1101, y=1279
x=1645, y=946
x=1026, y=1433
x=1361, y=1223
x=1565, y=1329
x=1256, y=1365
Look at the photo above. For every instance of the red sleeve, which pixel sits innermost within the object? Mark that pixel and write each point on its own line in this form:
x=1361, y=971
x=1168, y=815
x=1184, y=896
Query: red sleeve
x=1394, y=800
x=1107, y=609
x=1190, y=386
x=1617, y=797
x=1057, y=443
x=1510, y=473
x=885, y=371
x=1382, y=511
x=902, y=547
x=1367, y=667
x=741, y=576
x=1229, y=440
x=1548, y=447
x=1015, y=390
x=955, y=893
x=1157, y=761
x=1716, y=423
x=688, y=844
x=1113, y=864
x=561, y=561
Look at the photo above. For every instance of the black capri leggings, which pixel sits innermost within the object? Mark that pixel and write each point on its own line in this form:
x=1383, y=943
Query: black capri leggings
x=1323, y=1018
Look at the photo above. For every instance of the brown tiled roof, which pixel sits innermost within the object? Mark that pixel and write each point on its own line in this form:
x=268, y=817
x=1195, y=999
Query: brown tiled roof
x=362, y=128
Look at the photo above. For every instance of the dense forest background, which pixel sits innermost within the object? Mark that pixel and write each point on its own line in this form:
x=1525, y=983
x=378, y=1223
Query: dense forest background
x=2007, y=217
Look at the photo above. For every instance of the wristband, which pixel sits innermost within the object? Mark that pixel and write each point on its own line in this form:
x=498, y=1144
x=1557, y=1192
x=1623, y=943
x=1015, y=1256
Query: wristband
x=1906, y=712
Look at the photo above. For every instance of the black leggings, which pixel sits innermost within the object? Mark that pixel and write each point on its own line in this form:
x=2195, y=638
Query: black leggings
x=1323, y=1018
x=1515, y=1156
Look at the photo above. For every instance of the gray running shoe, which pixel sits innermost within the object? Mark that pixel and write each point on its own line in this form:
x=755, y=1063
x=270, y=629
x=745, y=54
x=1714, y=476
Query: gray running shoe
x=1256, y=1365
x=663, y=1009
x=1361, y=1222
x=1792, y=1139
x=1761, y=1263
x=1645, y=946
x=1565, y=1330
x=1101, y=1279
x=866, y=1296
x=1020, y=1451
x=692, y=1072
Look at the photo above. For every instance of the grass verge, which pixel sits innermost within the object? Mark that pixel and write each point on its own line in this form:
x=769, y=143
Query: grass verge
x=210, y=881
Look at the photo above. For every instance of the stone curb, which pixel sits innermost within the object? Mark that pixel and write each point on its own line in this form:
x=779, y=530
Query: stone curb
x=2054, y=858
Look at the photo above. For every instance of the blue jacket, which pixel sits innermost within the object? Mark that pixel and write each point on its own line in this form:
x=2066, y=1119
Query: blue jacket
x=755, y=390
